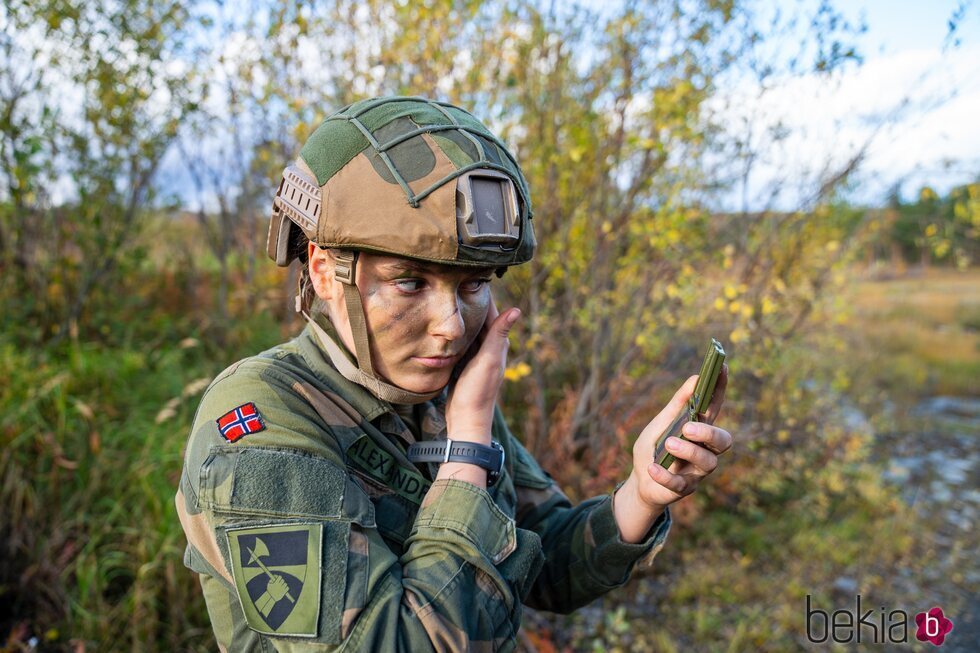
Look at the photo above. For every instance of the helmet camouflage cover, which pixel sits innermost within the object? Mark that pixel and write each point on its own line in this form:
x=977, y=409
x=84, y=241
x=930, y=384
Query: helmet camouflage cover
x=409, y=177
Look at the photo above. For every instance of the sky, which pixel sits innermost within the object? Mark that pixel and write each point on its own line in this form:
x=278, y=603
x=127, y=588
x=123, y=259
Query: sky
x=913, y=103
x=915, y=100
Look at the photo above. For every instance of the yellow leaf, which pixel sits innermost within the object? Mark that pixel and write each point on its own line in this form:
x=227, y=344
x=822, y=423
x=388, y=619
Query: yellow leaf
x=835, y=482
x=719, y=304
x=517, y=372
x=853, y=445
x=731, y=292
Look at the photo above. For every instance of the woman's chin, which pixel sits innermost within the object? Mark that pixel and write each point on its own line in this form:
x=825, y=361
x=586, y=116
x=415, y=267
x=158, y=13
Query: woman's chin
x=422, y=383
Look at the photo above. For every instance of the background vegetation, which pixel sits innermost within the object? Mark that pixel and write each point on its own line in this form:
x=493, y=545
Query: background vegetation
x=119, y=305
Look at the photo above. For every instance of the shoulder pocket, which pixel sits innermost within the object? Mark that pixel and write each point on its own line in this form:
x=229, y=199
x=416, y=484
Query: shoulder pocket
x=268, y=481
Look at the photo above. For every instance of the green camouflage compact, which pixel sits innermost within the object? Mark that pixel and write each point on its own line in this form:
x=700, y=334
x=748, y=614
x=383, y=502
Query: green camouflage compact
x=714, y=360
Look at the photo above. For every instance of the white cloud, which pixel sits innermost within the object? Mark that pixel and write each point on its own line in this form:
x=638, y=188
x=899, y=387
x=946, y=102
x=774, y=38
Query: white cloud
x=918, y=108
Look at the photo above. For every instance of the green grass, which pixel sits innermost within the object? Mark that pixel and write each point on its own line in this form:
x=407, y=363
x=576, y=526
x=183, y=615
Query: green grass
x=923, y=332
x=90, y=466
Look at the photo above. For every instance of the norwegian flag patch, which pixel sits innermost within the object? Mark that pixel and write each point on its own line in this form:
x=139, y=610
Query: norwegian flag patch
x=241, y=421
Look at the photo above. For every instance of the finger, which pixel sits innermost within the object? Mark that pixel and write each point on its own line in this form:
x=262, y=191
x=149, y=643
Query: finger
x=712, y=438
x=673, y=482
x=695, y=454
x=714, y=408
x=503, y=323
x=673, y=408
x=681, y=397
x=494, y=346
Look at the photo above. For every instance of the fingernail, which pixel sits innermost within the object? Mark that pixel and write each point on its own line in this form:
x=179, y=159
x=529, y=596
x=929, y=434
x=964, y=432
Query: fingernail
x=688, y=429
x=672, y=442
x=513, y=315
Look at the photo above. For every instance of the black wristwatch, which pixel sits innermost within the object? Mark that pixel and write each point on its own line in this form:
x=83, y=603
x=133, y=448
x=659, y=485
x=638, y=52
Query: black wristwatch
x=457, y=451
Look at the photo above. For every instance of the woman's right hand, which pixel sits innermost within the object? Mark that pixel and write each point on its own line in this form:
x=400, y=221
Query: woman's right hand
x=469, y=408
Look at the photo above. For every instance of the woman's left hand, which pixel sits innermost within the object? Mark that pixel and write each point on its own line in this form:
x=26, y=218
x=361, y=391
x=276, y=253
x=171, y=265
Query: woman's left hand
x=696, y=457
x=650, y=487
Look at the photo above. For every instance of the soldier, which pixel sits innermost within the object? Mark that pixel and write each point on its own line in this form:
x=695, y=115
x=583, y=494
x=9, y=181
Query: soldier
x=357, y=486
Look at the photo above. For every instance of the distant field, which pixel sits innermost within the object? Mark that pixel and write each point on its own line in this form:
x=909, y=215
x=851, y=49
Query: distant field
x=927, y=329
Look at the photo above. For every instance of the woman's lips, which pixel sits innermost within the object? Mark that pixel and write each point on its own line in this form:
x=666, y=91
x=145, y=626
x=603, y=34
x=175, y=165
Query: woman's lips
x=436, y=361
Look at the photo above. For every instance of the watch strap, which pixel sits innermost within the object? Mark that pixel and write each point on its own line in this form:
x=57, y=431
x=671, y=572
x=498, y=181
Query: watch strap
x=458, y=451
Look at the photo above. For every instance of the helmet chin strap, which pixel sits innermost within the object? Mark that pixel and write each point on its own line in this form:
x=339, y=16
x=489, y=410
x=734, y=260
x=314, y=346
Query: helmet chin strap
x=363, y=374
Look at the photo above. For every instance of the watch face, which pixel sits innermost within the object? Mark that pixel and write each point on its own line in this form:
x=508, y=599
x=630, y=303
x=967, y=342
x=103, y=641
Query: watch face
x=493, y=475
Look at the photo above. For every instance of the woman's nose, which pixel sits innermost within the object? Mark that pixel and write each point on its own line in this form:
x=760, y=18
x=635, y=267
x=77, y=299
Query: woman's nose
x=448, y=320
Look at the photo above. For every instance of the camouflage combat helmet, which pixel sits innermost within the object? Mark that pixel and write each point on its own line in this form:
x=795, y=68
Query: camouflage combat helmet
x=409, y=177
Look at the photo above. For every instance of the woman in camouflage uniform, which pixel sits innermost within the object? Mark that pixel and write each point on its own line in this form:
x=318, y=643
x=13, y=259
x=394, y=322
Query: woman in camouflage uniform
x=357, y=487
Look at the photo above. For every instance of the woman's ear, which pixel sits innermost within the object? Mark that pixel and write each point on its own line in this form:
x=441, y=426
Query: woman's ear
x=322, y=264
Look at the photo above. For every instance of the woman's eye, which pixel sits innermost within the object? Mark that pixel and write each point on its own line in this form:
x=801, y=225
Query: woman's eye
x=475, y=285
x=409, y=285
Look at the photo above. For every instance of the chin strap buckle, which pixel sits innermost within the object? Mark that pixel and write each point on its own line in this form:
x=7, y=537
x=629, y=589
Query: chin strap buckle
x=345, y=268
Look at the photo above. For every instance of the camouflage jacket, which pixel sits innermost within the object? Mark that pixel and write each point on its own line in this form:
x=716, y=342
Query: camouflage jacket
x=311, y=530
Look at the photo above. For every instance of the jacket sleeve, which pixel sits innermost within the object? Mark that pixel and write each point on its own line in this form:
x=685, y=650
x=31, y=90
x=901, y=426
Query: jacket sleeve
x=585, y=557
x=289, y=551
